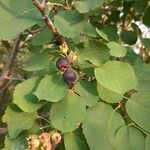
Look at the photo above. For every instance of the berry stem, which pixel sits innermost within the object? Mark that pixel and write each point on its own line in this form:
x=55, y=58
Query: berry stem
x=40, y=117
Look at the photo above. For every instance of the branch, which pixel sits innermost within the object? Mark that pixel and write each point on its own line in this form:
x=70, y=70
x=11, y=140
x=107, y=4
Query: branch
x=3, y=130
x=49, y=4
x=35, y=31
x=60, y=39
x=8, y=68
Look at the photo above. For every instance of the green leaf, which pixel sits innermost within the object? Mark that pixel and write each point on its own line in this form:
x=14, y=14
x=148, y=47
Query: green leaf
x=111, y=32
x=73, y=23
x=100, y=126
x=89, y=30
x=35, y=129
x=44, y=37
x=19, y=143
x=127, y=4
x=18, y=121
x=88, y=5
x=116, y=76
x=147, y=143
x=114, y=16
x=108, y=95
x=146, y=43
x=95, y=51
x=138, y=106
x=138, y=109
x=102, y=34
x=16, y=16
x=37, y=61
x=146, y=17
x=129, y=138
x=116, y=49
x=89, y=70
x=131, y=56
x=141, y=5
x=68, y=113
x=23, y=96
x=129, y=37
x=143, y=73
x=87, y=90
x=75, y=141
x=122, y=139
x=51, y=88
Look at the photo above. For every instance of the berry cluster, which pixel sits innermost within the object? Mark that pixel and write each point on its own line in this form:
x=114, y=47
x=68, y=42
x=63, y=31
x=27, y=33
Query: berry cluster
x=70, y=76
x=44, y=141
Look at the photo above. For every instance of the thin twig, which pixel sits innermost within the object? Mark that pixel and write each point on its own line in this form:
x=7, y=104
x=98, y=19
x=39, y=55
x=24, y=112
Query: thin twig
x=46, y=120
x=41, y=128
x=11, y=79
x=8, y=68
x=41, y=7
x=91, y=37
x=33, y=32
x=5, y=86
x=57, y=4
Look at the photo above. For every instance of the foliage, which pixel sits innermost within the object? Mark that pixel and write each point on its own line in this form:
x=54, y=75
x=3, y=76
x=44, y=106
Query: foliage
x=108, y=107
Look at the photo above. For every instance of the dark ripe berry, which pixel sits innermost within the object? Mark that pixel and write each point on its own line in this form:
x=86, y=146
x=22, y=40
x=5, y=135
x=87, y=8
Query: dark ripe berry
x=70, y=76
x=62, y=63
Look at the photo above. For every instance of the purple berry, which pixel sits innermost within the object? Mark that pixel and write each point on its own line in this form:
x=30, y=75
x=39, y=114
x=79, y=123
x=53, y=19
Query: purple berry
x=62, y=63
x=70, y=76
